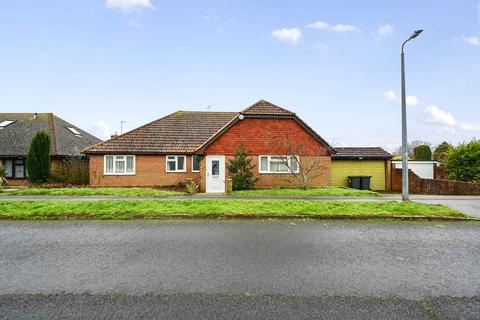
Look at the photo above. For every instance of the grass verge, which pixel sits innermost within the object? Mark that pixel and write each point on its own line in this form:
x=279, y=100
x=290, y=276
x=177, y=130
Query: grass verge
x=79, y=191
x=325, y=192
x=131, y=209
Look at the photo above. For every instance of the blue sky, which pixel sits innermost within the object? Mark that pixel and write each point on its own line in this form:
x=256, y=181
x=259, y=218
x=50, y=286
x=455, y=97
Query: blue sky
x=336, y=63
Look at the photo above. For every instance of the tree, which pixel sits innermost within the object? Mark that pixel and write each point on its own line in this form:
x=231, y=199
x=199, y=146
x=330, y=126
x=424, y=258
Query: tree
x=38, y=158
x=410, y=148
x=3, y=175
x=463, y=162
x=241, y=168
x=304, y=164
x=422, y=152
x=441, y=151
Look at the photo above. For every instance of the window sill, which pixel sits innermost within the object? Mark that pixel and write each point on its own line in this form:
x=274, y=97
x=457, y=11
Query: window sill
x=118, y=174
x=177, y=171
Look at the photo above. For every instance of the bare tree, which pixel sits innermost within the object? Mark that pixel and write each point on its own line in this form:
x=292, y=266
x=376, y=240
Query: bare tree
x=305, y=164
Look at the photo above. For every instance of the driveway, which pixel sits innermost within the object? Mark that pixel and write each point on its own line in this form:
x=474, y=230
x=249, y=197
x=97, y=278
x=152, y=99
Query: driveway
x=240, y=269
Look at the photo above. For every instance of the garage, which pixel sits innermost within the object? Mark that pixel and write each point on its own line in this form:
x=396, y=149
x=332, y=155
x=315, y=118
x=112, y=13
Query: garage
x=362, y=161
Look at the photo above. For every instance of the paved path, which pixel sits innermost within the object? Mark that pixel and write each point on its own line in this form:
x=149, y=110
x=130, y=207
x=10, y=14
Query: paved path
x=467, y=204
x=240, y=269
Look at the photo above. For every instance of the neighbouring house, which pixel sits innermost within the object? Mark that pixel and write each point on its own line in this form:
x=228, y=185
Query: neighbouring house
x=197, y=145
x=17, y=131
x=423, y=168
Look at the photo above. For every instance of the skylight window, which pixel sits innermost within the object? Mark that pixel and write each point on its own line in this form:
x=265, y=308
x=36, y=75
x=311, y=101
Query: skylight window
x=5, y=123
x=74, y=131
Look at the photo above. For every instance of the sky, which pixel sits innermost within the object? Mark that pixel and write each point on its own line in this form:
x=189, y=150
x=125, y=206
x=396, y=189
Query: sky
x=336, y=64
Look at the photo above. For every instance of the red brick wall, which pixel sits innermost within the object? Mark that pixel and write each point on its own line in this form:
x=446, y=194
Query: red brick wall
x=266, y=136
x=433, y=186
x=149, y=171
x=269, y=137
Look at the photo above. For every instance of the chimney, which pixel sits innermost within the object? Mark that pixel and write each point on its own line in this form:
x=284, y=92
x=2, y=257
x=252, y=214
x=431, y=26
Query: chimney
x=114, y=135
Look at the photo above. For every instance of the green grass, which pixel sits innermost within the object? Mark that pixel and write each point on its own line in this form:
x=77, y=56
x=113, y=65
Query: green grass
x=326, y=192
x=130, y=209
x=79, y=191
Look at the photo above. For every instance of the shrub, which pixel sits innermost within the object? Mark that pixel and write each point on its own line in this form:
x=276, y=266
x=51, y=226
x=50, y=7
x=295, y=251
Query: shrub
x=38, y=158
x=441, y=151
x=241, y=168
x=463, y=162
x=72, y=170
x=422, y=152
x=191, y=187
x=3, y=175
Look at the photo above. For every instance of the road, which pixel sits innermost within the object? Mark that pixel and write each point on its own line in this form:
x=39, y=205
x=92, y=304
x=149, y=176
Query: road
x=240, y=269
x=467, y=204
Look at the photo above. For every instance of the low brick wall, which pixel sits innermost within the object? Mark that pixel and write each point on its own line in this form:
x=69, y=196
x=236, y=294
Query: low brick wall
x=433, y=186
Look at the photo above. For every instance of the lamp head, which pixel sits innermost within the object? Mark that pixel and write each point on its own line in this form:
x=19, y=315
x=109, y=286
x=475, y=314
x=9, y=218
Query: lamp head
x=415, y=34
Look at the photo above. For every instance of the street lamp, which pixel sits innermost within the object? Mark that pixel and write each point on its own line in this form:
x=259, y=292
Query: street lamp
x=415, y=34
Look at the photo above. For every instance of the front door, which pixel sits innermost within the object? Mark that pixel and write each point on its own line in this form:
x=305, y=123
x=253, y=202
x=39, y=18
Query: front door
x=215, y=179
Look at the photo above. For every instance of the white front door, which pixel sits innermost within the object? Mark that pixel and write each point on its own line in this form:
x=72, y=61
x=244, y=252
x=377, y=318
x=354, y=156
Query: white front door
x=215, y=179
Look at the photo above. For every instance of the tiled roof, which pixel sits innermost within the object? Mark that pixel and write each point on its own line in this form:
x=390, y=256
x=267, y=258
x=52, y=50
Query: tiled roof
x=366, y=153
x=16, y=137
x=265, y=108
x=182, y=132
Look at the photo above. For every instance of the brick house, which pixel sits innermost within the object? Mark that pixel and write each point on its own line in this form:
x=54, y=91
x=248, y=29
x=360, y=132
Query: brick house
x=198, y=145
x=17, y=131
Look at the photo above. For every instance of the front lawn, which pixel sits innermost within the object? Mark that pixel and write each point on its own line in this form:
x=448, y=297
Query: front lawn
x=84, y=191
x=325, y=192
x=131, y=209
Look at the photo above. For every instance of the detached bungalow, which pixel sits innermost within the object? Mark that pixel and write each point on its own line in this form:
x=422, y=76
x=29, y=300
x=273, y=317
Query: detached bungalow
x=197, y=145
x=17, y=131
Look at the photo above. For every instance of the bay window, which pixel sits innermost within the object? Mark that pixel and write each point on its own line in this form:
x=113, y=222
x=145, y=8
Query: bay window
x=119, y=165
x=176, y=164
x=278, y=164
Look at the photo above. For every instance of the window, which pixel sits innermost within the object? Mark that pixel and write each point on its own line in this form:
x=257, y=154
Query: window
x=176, y=164
x=5, y=123
x=195, y=163
x=74, y=131
x=278, y=164
x=215, y=168
x=119, y=165
x=15, y=168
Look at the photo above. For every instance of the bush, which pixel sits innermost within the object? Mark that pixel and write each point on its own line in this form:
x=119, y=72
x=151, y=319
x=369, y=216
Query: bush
x=241, y=170
x=3, y=175
x=38, y=158
x=441, y=151
x=71, y=171
x=422, y=152
x=463, y=162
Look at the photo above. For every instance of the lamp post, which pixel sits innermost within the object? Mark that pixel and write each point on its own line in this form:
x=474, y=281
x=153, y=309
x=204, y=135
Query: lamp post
x=405, y=196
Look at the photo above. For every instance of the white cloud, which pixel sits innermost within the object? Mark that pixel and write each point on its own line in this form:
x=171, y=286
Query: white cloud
x=390, y=95
x=437, y=115
x=412, y=101
x=102, y=129
x=128, y=5
x=474, y=41
x=290, y=35
x=322, y=25
x=383, y=32
x=469, y=127
x=317, y=25
x=344, y=28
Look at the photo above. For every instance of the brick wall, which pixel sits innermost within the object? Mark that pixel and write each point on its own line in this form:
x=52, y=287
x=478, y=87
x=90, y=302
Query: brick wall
x=433, y=186
x=267, y=137
x=150, y=170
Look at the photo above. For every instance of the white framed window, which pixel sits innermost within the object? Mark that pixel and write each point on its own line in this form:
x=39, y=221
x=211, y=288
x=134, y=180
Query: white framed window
x=195, y=163
x=278, y=164
x=119, y=165
x=176, y=164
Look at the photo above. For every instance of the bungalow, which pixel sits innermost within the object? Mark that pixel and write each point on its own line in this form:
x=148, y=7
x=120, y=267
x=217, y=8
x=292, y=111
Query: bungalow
x=198, y=145
x=17, y=131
